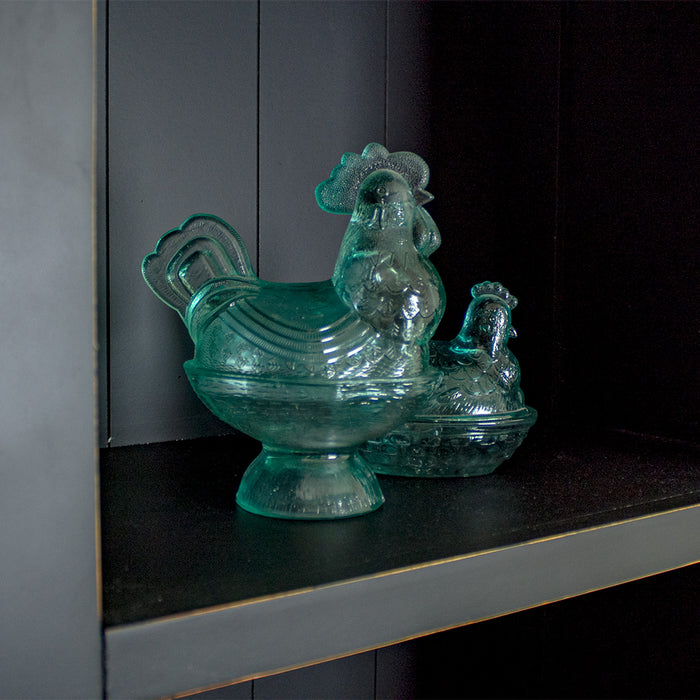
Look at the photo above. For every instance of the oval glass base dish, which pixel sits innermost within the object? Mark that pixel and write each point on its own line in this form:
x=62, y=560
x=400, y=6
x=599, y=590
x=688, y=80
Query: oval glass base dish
x=443, y=446
x=311, y=430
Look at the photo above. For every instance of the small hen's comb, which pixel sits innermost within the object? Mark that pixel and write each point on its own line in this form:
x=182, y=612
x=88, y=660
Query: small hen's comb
x=337, y=194
x=495, y=289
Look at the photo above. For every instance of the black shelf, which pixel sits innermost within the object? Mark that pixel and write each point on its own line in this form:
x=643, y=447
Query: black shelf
x=187, y=574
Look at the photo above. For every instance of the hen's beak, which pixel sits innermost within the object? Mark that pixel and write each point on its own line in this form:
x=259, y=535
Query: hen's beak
x=422, y=197
x=512, y=333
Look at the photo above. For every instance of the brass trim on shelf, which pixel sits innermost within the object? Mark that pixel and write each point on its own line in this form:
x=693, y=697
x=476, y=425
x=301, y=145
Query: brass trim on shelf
x=336, y=657
x=401, y=570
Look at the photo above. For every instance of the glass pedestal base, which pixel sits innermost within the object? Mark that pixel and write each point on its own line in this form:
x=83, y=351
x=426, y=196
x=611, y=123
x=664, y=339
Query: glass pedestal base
x=309, y=486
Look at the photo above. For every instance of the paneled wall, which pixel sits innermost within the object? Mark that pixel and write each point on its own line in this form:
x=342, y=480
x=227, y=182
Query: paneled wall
x=182, y=139
x=562, y=144
x=237, y=109
x=630, y=216
x=565, y=159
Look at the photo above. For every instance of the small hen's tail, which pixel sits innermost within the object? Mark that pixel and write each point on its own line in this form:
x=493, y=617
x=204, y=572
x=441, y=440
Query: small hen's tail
x=202, y=249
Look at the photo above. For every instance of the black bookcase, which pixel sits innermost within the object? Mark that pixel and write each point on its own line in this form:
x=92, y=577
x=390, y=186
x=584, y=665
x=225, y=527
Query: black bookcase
x=563, y=144
x=564, y=164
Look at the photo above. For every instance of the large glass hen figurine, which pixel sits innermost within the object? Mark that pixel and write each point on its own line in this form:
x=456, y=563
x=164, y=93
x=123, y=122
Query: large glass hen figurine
x=313, y=370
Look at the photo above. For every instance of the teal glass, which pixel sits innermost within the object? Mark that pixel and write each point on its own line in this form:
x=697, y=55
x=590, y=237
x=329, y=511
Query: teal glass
x=314, y=370
x=476, y=417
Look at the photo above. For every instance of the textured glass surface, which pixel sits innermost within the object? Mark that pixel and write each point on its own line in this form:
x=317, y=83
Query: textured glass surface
x=315, y=369
x=310, y=429
x=476, y=417
x=480, y=374
x=338, y=193
x=433, y=446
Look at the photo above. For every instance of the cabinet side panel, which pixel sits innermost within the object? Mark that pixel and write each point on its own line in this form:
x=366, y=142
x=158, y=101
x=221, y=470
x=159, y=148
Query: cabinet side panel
x=50, y=643
x=322, y=92
x=182, y=85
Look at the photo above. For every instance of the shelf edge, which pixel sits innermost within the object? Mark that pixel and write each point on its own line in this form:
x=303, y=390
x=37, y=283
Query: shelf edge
x=254, y=638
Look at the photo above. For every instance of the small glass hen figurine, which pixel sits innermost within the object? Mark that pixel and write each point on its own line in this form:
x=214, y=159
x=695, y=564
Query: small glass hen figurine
x=313, y=370
x=481, y=374
x=476, y=417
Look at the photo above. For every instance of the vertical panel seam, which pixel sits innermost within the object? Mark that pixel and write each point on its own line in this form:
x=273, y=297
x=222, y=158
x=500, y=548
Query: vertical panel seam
x=96, y=124
x=558, y=226
x=257, y=148
x=386, y=72
x=107, y=283
x=375, y=674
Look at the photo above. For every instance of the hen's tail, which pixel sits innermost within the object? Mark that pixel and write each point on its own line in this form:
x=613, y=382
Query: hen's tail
x=202, y=249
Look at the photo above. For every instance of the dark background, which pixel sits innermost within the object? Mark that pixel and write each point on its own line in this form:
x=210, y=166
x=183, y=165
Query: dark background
x=567, y=156
x=633, y=641
x=564, y=148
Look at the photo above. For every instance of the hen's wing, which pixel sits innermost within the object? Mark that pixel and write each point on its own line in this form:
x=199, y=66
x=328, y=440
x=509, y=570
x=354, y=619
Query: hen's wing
x=295, y=327
x=474, y=382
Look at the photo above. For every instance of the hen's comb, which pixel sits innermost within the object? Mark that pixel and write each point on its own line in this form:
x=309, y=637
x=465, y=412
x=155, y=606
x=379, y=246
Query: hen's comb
x=337, y=194
x=495, y=289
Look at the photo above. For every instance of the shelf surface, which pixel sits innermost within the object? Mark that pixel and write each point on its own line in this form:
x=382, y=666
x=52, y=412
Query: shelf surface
x=188, y=576
x=174, y=540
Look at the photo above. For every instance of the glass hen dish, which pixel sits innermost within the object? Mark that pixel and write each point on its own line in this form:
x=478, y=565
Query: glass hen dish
x=476, y=417
x=313, y=370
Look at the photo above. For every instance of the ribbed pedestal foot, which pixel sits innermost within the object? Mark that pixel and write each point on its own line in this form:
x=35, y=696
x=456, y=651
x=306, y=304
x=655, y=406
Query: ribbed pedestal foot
x=305, y=486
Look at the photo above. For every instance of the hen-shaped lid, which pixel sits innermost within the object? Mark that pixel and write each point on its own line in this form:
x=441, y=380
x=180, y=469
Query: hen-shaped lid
x=480, y=374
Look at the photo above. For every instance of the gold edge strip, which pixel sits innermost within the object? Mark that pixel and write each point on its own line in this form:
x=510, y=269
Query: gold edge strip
x=418, y=635
x=401, y=570
x=95, y=338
